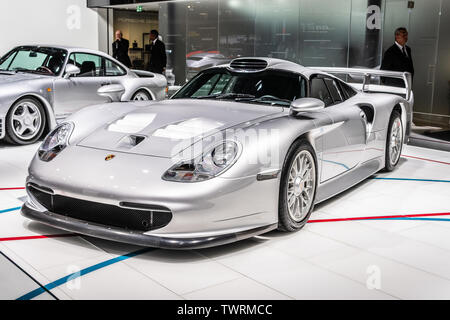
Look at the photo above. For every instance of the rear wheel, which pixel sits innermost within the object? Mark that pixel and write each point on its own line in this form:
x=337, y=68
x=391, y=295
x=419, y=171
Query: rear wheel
x=25, y=122
x=298, y=187
x=394, y=141
x=141, y=95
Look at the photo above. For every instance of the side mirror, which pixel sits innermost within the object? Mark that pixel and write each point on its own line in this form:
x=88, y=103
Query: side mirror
x=306, y=105
x=112, y=91
x=71, y=70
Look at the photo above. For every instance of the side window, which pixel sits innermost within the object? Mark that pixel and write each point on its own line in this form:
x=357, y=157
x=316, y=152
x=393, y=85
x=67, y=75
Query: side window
x=349, y=91
x=112, y=69
x=334, y=90
x=89, y=64
x=319, y=91
x=302, y=88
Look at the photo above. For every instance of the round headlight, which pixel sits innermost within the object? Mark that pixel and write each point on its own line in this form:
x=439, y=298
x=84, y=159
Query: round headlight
x=209, y=165
x=56, y=141
x=223, y=154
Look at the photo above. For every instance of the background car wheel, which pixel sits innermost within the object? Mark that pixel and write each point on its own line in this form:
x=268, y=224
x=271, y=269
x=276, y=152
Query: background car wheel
x=25, y=122
x=298, y=187
x=141, y=95
x=394, y=141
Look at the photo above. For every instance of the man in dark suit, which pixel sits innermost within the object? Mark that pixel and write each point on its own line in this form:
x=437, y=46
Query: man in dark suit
x=398, y=58
x=120, y=49
x=158, y=58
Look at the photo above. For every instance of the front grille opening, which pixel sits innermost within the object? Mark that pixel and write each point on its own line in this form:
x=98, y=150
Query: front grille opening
x=249, y=64
x=144, y=219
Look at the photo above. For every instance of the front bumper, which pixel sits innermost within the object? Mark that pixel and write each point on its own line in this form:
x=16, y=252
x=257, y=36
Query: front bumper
x=139, y=238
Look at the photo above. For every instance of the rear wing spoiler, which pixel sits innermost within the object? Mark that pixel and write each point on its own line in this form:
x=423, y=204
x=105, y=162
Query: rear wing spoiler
x=143, y=74
x=367, y=74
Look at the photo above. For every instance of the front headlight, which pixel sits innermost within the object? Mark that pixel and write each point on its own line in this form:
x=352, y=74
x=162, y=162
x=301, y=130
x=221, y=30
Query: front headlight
x=55, y=142
x=209, y=165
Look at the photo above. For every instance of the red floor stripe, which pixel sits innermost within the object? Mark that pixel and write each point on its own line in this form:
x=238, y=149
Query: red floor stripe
x=4, y=189
x=382, y=217
x=425, y=159
x=39, y=237
x=310, y=221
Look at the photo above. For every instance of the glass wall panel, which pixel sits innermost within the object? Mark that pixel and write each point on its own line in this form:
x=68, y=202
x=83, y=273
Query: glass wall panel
x=202, y=26
x=237, y=27
x=441, y=105
x=366, y=37
x=172, y=27
x=277, y=29
x=422, y=38
x=323, y=34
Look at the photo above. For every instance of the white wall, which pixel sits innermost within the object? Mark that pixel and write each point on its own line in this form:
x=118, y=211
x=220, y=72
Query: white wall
x=53, y=22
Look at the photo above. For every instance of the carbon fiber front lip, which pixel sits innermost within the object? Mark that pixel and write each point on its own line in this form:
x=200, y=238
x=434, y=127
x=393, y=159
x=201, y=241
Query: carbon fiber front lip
x=137, y=238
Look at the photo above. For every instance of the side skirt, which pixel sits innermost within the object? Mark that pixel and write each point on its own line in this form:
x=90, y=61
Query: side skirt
x=348, y=180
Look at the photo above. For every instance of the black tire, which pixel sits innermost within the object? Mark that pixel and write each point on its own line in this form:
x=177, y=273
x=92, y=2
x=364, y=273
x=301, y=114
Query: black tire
x=143, y=93
x=12, y=136
x=389, y=163
x=285, y=221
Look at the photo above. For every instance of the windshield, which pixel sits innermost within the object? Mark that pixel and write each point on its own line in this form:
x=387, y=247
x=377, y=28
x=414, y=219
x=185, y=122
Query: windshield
x=46, y=61
x=267, y=87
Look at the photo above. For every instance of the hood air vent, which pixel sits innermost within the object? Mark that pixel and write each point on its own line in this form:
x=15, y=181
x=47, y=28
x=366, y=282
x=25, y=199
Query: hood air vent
x=248, y=64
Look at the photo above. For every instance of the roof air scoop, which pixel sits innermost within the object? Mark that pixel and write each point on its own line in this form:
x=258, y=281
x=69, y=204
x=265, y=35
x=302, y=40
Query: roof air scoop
x=248, y=64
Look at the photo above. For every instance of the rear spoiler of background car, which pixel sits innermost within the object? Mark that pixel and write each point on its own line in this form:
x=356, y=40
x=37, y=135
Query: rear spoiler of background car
x=367, y=74
x=143, y=74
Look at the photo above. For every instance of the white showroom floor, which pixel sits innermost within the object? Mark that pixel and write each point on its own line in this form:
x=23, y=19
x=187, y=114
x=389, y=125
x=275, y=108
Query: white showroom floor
x=392, y=257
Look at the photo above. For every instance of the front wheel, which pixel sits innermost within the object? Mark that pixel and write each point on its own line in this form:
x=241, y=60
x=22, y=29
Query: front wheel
x=25, y=122
x=298, y=187
x=141, y=95
x=394, y=141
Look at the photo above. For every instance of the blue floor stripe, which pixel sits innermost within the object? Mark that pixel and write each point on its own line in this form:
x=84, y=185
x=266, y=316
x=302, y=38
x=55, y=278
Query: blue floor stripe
x=407, y=179
x=83, y=272
x=11, y=209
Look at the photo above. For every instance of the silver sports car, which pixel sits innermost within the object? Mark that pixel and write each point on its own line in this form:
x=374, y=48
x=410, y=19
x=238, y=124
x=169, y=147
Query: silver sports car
x=40, y=84
x=240, y=150
x=201, y=61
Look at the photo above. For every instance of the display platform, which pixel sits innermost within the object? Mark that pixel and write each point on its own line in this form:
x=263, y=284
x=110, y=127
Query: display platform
x=386, y=238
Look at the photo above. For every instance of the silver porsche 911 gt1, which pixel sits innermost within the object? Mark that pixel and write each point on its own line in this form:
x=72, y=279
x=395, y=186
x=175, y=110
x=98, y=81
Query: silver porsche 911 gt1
x=240, y=150
x=39, y=84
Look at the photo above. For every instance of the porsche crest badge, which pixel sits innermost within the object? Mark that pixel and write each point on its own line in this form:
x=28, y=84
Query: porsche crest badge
x=109, y=157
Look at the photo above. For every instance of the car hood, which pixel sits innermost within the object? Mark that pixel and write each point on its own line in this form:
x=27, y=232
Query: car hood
x=11, y=77
x=164, y=129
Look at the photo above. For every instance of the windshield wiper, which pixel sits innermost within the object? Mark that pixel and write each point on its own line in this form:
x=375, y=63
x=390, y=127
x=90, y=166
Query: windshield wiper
x=18, y=69
x=271, y=99
x=230, y=95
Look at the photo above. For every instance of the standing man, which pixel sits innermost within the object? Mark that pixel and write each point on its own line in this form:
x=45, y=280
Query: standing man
x=120, y=49
x=158, y=58
x=398, y=57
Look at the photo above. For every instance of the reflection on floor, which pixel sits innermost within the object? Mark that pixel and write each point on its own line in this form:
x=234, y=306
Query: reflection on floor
x=331, y=258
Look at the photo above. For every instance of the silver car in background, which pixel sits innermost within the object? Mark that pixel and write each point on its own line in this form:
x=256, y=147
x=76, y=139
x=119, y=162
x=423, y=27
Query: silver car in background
x=40, y=84
x=201, y=61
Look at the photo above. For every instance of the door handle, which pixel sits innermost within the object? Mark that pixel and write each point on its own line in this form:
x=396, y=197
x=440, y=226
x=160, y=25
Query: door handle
x=105, y=84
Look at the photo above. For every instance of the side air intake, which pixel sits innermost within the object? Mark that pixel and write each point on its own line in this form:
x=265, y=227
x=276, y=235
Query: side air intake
x=248, y=64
